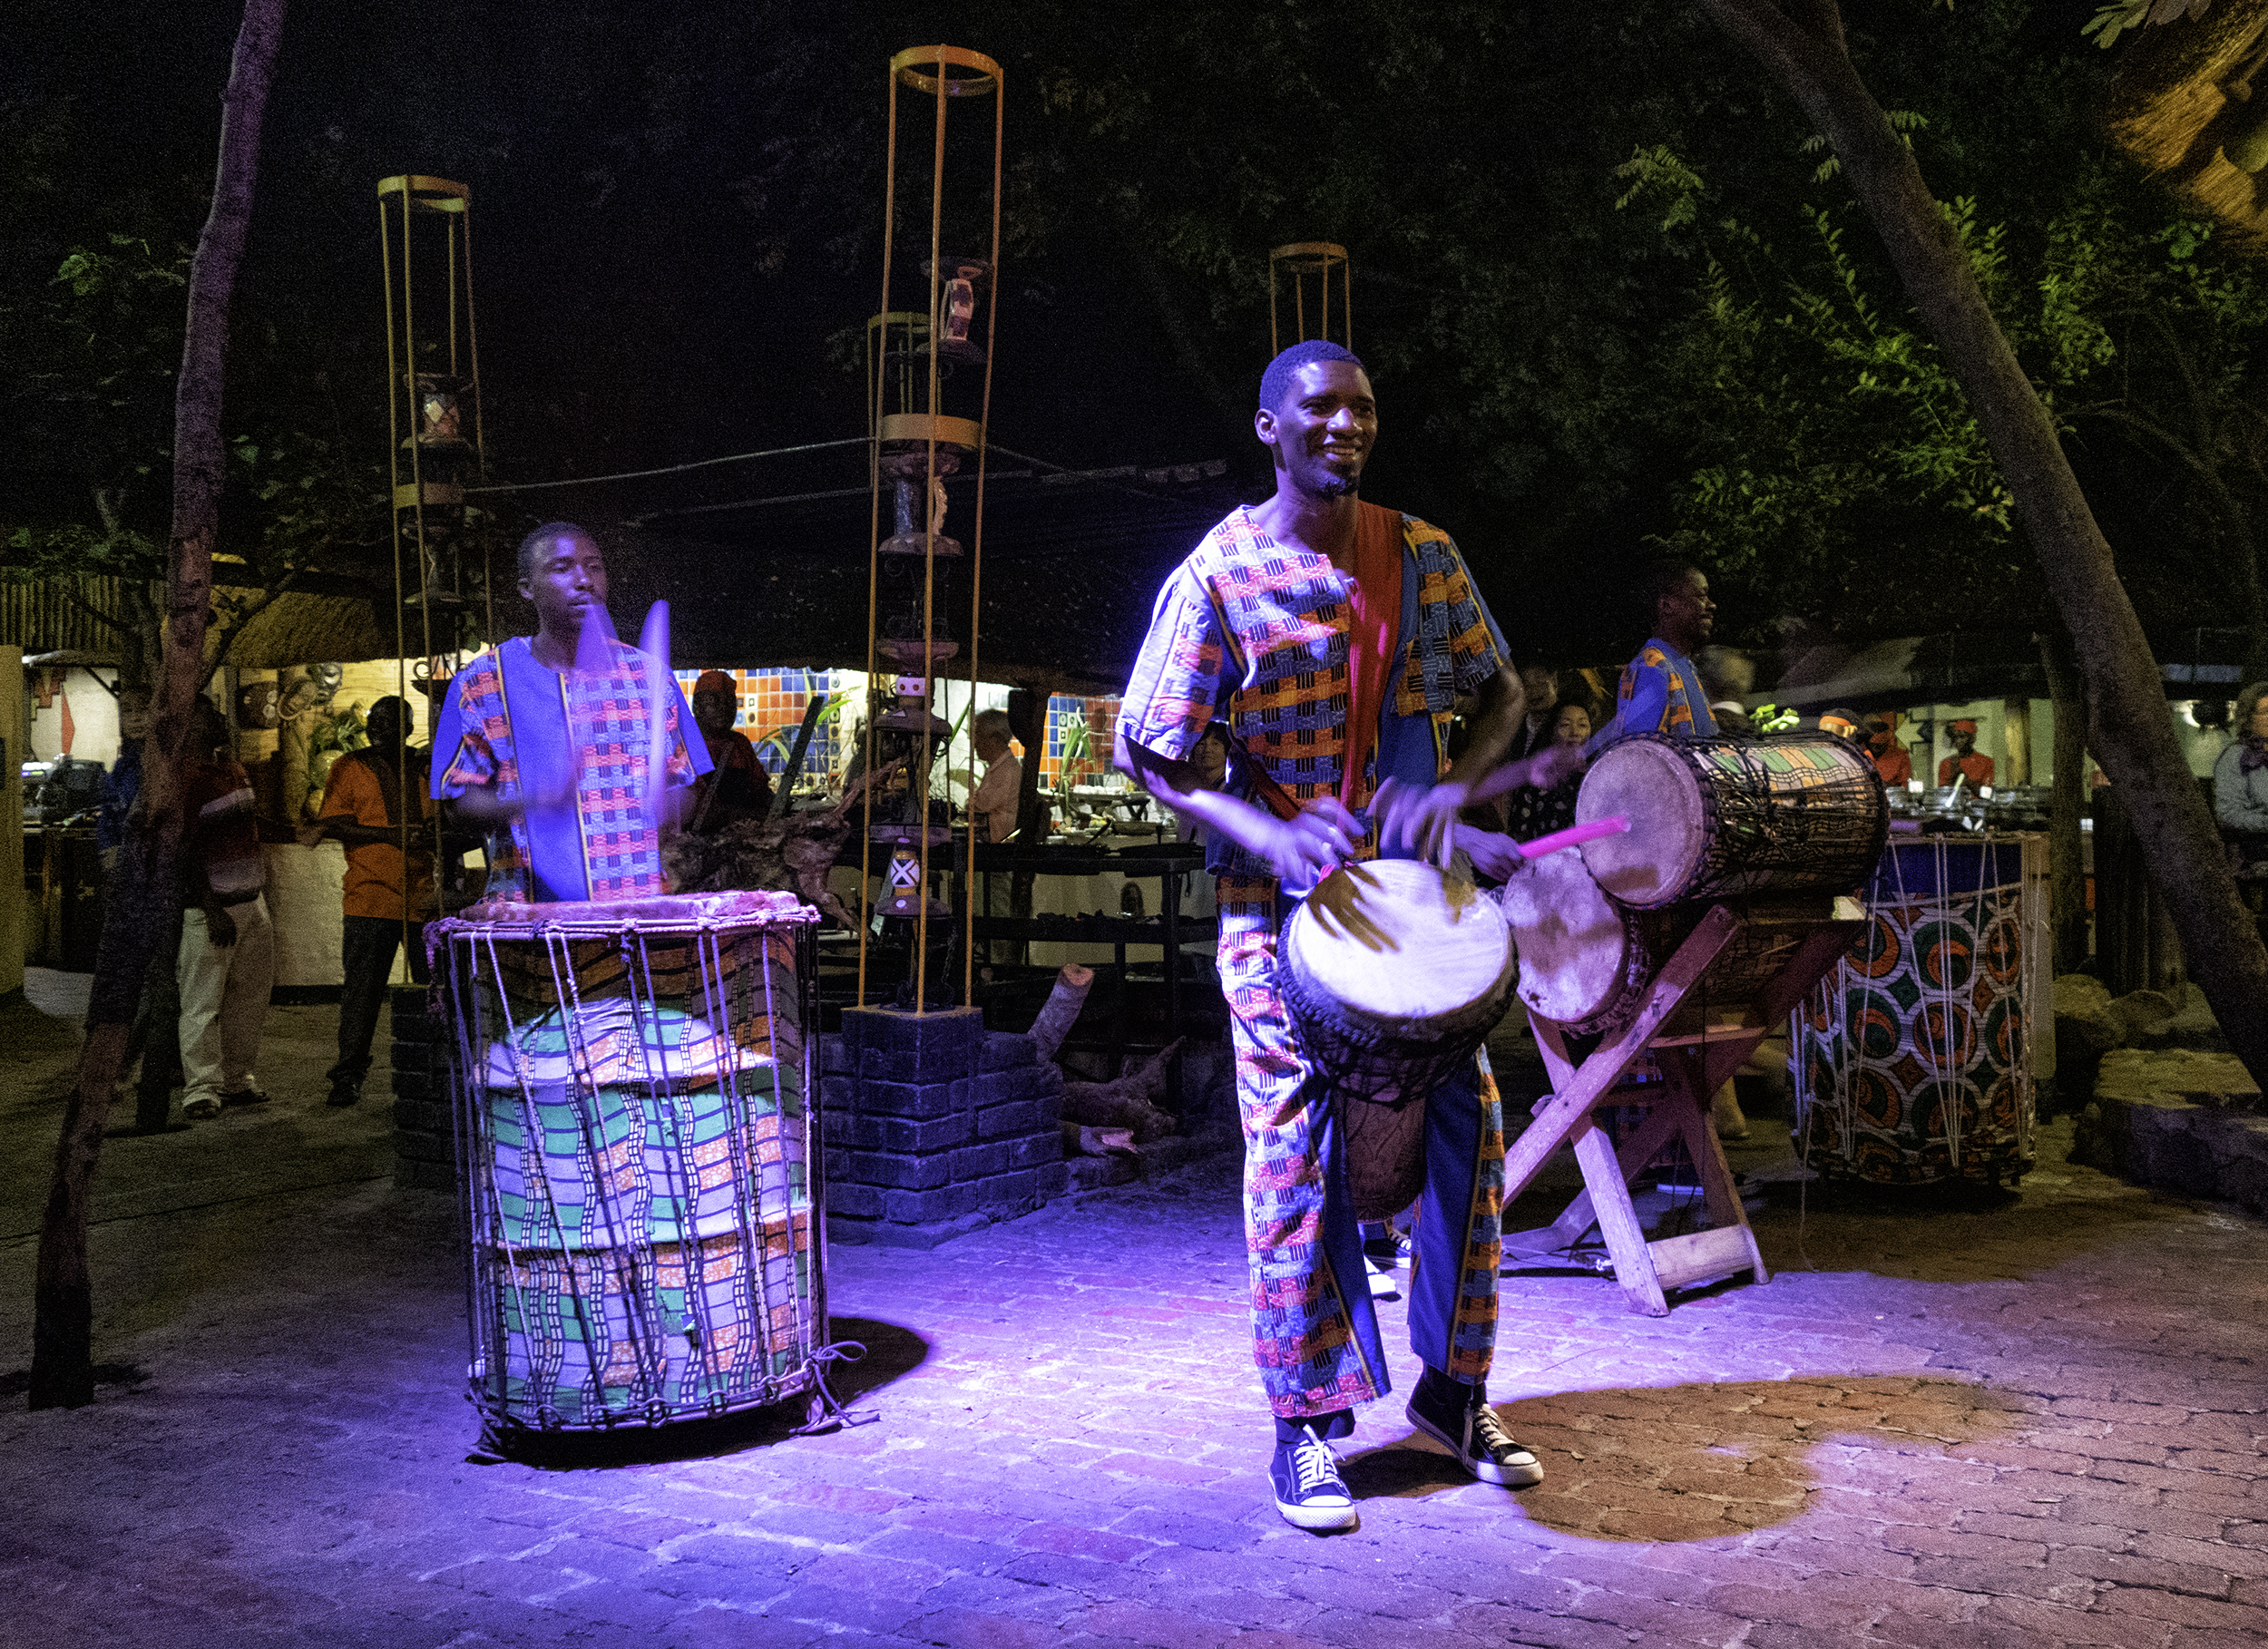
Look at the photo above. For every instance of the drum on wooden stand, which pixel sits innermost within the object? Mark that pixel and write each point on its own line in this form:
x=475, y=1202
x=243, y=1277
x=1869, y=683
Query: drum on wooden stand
x=1711, y=817
x=1588, y=964
x=1394, y=974
x=637, y=1131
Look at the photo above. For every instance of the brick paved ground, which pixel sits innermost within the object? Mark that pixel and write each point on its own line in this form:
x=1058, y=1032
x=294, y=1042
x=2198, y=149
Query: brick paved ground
x=2031, y=1425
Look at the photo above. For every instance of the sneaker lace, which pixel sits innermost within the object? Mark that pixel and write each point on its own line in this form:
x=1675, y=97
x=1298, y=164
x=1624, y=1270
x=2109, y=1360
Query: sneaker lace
x=1314, y=1465
x=1489, y=1432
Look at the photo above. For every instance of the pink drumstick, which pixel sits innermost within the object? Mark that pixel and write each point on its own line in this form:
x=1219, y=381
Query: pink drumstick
x=1615, y=824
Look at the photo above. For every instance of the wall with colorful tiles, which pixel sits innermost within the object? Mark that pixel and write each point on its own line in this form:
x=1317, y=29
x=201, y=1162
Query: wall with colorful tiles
x=1067, y=717
x=772, y=703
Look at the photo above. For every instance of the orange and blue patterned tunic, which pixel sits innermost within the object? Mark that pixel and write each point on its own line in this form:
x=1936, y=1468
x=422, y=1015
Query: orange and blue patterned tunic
x=1256, y=634
x=1660, y=692
x=506, y=714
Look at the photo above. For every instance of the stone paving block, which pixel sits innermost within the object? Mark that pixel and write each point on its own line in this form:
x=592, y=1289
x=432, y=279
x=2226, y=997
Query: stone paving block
x=714, y=1628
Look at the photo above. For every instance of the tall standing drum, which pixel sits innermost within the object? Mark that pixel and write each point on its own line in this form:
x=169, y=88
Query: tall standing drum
x=1716, y=817
x=638, y=1144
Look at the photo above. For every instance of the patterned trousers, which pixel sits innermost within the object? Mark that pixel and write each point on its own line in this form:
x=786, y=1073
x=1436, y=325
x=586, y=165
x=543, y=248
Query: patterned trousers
x=1315, y=1330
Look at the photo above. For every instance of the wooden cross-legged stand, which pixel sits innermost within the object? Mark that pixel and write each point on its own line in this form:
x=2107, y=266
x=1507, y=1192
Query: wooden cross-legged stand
x=1693, y=1067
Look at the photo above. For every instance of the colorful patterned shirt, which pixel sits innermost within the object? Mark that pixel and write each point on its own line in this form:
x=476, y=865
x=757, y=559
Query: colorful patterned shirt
x=1254, y=633
x=606, y=843
x=1660, y=692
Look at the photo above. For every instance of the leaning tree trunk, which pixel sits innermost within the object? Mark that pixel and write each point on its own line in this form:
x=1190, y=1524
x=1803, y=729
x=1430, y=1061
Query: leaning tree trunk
x=1801, y=43
x=2067, y=863
x=63, y=1364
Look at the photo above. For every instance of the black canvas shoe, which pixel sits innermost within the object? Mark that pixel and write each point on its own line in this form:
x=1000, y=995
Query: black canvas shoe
x=1309, y=1491
x=1478, y=1438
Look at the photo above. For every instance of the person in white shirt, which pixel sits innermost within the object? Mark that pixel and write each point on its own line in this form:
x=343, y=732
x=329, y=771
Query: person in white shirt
x=997, y=792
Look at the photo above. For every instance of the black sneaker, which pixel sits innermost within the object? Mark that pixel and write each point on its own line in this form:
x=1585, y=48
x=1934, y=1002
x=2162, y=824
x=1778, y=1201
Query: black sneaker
x=1479, y=1440
x=1309, y=1491
x=345, y=1094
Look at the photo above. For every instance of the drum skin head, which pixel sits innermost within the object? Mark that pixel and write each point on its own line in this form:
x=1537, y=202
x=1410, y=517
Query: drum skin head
x=1574, y=944
x=1655, y=787
x=1415, y=946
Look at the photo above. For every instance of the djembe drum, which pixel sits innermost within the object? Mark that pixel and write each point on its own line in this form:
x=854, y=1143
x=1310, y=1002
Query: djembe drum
x=1394, y=974
x=634, y=1092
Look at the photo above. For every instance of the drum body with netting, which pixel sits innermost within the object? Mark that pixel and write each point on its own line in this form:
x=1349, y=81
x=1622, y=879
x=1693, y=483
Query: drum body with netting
x=638, y=1144
x=1912, y=1059
x=1394, y=974
x=1710, y=817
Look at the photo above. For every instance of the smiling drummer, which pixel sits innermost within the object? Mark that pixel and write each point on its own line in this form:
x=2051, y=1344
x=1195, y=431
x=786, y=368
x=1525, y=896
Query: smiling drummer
x=1332, y=636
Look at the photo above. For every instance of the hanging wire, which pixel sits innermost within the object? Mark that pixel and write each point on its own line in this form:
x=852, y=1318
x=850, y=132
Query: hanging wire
x=873, y=542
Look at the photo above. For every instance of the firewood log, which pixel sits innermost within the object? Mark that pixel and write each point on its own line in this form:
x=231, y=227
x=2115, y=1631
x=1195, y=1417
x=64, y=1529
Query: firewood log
x=1129, y=1102
x=794, y=854
x=1056, y=1019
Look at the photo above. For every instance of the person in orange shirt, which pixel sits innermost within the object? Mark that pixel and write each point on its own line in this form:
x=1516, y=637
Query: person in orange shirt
x=1978, y=769
x=363, y=809
x=1890, y=760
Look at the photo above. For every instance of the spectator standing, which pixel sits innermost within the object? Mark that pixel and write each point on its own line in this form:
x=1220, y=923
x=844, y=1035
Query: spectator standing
x=994, y=800
x=389, y=878
x=1538, y=811
x=1964, y=760
x=1728, y=677
x=1540, y=688
x=228, y=946
x=1890, y=760
x=735, y=786
x=2240, y=791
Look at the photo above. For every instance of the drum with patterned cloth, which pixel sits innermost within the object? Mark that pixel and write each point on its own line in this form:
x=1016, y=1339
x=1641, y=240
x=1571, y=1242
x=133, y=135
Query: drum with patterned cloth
x=637, y=1142
x=1913, y=1057
x=1716, y=817
x=1395, y=973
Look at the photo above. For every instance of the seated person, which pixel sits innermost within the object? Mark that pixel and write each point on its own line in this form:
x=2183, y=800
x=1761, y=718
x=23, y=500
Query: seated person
x=735, y=786
x=1964, y=762
x=1537, y=812
x=1890, y=760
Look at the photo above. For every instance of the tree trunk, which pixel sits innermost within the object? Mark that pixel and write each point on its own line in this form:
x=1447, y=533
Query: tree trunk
x=2067, y=865
x=63, y=1372
x=1801, y=43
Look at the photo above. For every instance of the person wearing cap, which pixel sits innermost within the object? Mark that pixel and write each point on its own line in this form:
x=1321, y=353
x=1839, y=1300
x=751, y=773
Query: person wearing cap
x=736, y=787
x=1964, y=760
x=1890, y=760
x=389, y=878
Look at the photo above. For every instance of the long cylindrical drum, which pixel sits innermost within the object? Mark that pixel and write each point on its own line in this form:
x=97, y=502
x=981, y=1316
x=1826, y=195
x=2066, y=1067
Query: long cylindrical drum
x=1394, y=974
x=1711, y=817
x=638, y=1144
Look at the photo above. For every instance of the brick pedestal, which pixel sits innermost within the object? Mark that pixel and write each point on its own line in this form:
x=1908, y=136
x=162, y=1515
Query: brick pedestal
x=934, y=1126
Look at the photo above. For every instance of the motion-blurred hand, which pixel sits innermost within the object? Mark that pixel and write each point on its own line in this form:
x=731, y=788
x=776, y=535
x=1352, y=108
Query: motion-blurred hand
x=1422, y=820
x=1307, y=846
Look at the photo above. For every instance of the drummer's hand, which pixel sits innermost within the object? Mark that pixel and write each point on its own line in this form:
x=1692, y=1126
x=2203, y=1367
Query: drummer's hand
x=1554, y=763
x=1422, y=820
x=1313, y=842
x=1493, y=853
x=1338, y=902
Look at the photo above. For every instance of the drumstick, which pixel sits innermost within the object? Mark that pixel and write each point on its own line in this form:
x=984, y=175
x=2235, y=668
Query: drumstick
x=1614, y=824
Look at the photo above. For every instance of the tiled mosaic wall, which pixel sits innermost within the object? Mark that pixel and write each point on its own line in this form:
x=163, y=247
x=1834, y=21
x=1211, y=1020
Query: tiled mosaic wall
x=1065, y=714
x=773, y=702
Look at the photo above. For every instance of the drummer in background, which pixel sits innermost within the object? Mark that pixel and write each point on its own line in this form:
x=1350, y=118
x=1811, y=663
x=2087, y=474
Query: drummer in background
x=1964, y=760
x=1333, y=636
x=542, y=740
x=735, y=786
x=1661, y=690
x=1890, y=760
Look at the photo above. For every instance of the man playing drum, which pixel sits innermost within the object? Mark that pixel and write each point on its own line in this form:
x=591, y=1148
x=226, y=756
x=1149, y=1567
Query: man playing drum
x=1333, y=637
x=545, y=740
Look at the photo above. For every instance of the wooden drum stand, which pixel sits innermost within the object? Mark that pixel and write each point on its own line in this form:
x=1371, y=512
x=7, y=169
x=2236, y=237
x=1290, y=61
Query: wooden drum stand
x=1693, y=1067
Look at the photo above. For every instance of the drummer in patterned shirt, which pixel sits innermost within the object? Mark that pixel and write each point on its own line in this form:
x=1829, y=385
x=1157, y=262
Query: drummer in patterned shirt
x=1661, y=690
x=1333, y=637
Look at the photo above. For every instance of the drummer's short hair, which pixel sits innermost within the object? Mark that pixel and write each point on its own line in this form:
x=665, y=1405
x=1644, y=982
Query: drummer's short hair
x=1662, y=578
x=1277, y=379
x=532, y=544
